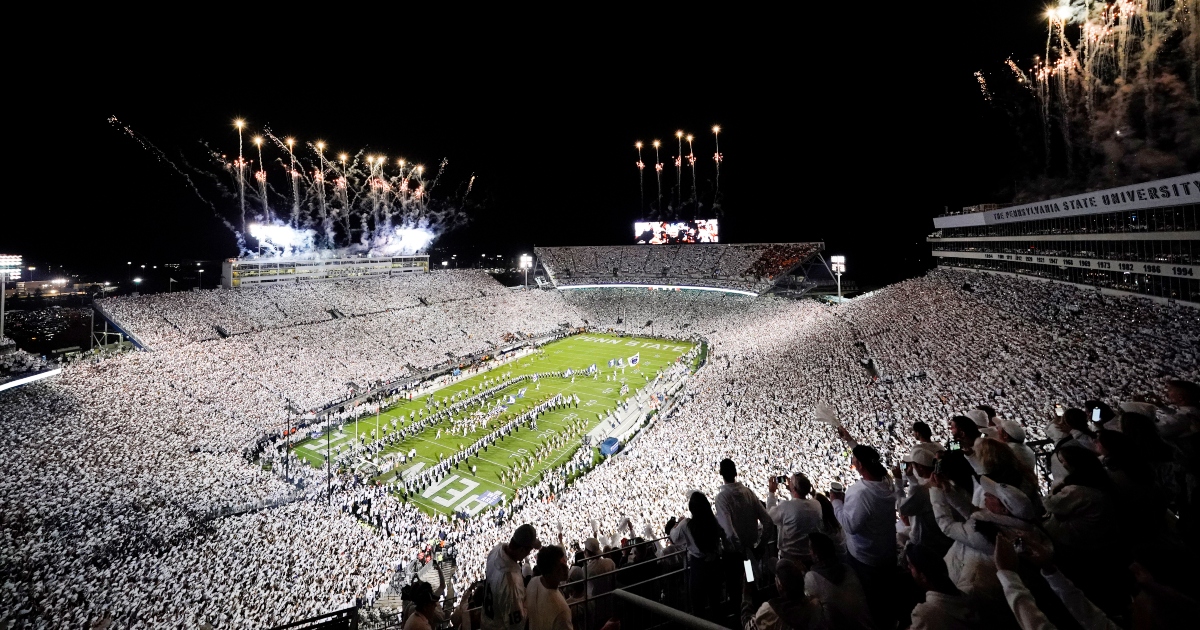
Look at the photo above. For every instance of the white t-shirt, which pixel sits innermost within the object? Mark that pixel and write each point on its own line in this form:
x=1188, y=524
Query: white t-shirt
x=548, y=609
x=504, y=601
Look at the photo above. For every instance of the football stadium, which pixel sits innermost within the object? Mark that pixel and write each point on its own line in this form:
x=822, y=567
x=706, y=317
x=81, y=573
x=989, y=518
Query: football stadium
x=301, y=388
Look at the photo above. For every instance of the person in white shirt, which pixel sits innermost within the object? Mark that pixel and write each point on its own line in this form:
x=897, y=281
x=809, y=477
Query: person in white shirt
x=795, y=518
x=504, y=600
x=546, y=606
x=867, y=512
x=599, y=582
x=738, y=511
x=1012, y=433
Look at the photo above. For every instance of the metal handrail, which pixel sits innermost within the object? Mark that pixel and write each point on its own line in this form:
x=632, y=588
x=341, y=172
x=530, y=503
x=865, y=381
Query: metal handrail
x=671, y=614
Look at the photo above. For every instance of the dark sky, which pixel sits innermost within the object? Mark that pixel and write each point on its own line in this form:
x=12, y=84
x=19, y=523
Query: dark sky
x=853, y=134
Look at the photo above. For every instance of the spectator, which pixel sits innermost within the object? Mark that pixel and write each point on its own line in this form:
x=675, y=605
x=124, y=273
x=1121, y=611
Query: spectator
x=546, y=606
x=701, y=536
x=794, y=518
x=867, y=511
x=923, y=435
x=740, y=514
x=916, y=510
x=504, y=601
x=945, y=606
x=836, y=586
x=1000, y=463
x=426, y=614
x=1013, y=434
x=738, y=511
x=830, y=526
x=969, y=561
x=791, y=609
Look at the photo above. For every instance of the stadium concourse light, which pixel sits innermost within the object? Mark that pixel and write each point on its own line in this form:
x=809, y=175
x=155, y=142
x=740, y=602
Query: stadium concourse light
x=526, y=263
x=445, y=263
x=839, y=268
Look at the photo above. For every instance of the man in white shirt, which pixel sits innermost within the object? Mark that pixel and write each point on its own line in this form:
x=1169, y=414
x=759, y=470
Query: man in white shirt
x=867, y=513
x=547, y=607
x=504, y=599
x=795, y=518
x=739, y=512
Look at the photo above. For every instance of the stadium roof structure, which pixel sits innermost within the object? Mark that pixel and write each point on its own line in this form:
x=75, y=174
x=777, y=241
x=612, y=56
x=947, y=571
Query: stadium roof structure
x=738, y=268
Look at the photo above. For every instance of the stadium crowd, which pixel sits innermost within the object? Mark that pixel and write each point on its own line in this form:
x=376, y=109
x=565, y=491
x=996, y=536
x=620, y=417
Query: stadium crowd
x=117, y=473
x=748, y=267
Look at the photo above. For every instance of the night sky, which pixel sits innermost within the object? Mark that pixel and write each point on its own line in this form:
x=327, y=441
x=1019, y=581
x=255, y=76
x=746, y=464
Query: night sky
x=855, y=135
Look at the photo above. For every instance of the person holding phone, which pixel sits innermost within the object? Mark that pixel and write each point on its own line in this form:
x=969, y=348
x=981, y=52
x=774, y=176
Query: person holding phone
x=795, y=518
x=740, y=514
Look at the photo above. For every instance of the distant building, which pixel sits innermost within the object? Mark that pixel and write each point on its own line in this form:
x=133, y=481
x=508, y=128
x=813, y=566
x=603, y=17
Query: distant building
x=11, y=266
x=1142, y=239
x=240, y=272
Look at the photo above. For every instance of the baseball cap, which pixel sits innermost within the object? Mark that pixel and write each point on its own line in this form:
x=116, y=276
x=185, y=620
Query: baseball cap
x=920, y=454
x=1013, y=429
x=978, y=416
x=1011, y=497
x=592, y=546
x=526, y=536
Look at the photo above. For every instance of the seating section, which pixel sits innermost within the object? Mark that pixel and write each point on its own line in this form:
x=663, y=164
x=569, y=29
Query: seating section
x=747, y=267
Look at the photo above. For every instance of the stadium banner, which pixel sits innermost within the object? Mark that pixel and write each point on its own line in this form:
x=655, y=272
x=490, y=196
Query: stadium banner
x=1171, y=191
x=664, y=232
x=1154, y=269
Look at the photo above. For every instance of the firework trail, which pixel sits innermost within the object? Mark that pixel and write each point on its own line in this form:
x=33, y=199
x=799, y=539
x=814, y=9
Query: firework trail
x=679, y=171
x=717, y=159
x=658, y=167
x=1119, y=81
x=470, y=183
x=162, y=157
x=983, y=86
x=392, y=218
x=641, y=179
x=692, y=162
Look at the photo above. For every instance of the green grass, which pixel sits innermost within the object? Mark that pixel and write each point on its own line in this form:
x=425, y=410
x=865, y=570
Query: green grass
x=596, y=397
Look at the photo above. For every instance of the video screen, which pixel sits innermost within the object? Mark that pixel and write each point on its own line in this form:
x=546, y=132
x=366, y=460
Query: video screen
x=664, y=232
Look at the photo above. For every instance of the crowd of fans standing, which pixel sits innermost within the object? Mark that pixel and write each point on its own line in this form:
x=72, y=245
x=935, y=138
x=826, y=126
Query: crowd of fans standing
x=115, y=470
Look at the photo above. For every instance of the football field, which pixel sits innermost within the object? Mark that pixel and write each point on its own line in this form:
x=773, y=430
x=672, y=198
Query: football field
x=552, y=444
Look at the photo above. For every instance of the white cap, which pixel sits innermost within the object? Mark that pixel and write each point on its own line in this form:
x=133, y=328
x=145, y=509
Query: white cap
x=1015, y=501
x=921, y=454
x=1013, y=429
x=978, y=416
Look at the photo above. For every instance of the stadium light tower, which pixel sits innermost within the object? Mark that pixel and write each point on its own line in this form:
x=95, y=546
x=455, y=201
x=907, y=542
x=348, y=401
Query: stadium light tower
x=839, y=267
x=526, y=263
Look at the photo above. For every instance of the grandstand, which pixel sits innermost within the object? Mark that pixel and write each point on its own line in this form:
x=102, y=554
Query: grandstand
x=1139, y=240
x=750, y=269
x=238, y=272
x=157, y=489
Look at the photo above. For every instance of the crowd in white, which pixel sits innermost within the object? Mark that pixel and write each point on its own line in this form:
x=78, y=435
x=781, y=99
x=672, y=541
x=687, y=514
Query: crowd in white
x=114, y=471
x=15, y=362
x=742, y=266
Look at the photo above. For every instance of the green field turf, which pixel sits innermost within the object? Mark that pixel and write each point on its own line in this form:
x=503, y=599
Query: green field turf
x=597, y=396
